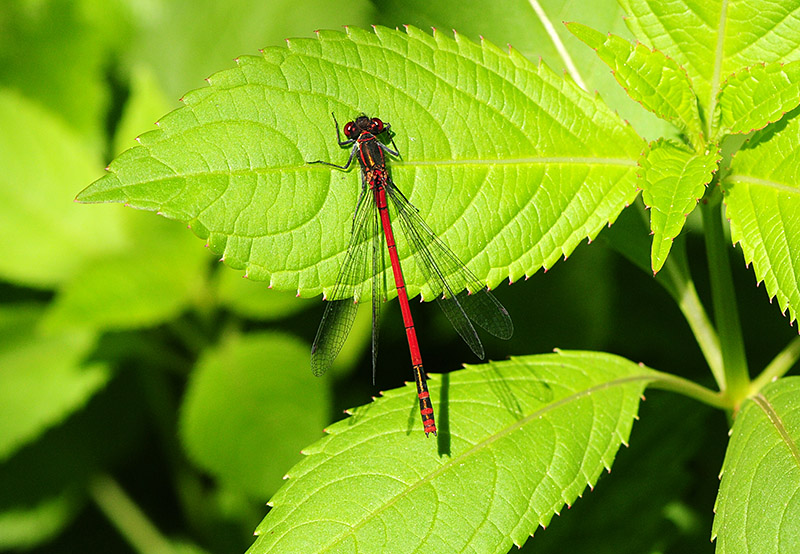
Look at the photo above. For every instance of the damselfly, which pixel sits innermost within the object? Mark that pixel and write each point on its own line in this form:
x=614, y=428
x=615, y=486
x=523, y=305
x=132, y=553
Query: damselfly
x=463, y=297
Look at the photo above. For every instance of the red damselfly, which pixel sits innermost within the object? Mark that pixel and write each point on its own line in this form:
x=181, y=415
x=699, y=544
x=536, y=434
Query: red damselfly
x=463, y=298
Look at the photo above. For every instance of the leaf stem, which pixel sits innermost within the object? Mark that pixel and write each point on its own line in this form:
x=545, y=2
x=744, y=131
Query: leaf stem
x=557, y=42
x=129, y=520
x=682, y=289
x=782, y=363
x=726, y=314
x=675, y=383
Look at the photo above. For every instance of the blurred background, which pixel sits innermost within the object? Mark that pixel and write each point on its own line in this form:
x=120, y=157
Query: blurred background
x=151, y=399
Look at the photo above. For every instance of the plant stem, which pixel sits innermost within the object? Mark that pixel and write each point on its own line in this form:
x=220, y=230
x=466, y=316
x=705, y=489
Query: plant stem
x=782, y=363
x=682, y=289
x=726, y=314
x=674, y=383
x=129, y=520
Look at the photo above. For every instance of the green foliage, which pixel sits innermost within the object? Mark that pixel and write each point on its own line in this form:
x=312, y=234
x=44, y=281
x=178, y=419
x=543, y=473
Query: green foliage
x=757, y=508
x=243, y=200
x=657, y=82
x=761, y=196
x=673, y=180
x=524, y=437
x=171, y=397
x=238, y=415
x=43, y=377
x=753, y=98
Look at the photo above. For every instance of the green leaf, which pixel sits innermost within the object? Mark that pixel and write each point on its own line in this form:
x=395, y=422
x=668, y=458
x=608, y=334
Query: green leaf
x=757, y=96
x=43, y=379
x=758, y=507
x=762, y=197
x=159, y=275
x=673, y=180
x=529, y=155
x=23, y=528
x=42, y=485
x=713, y=39
x=518, y=440
x=538, y=34
x=652, y=481
x=239, y=419
x=46, y=236
x=657, y=82
x=57, y=54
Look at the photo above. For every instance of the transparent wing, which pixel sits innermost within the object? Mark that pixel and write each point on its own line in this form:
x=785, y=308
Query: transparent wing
x=465, y=299
x=378, y=280
x=347, y=291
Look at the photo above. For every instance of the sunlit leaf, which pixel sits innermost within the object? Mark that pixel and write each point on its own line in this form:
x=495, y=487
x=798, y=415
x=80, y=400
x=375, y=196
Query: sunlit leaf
x=673, y=180
x=649, y=77
x=493, y=149
x=518, y=440
x=762, y=194
x=757, y=96
x=758, y=507
x=713, y=39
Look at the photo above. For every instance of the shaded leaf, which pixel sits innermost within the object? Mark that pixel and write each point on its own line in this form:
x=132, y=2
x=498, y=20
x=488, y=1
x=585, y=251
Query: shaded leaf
x=762, y=195
x=657, y=82
x=159, y=275
x=673, y=180
x=239, y=419
x=757, y=96
x=42, y=485
x=43, y=379
x=46, y=236
x=758, y=507
x=253, y=299
x=25, y=527
x=146, y=103
x=518, y=440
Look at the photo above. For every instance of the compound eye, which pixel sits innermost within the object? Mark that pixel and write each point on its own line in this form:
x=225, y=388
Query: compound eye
x=377, y=126
x=350, y=130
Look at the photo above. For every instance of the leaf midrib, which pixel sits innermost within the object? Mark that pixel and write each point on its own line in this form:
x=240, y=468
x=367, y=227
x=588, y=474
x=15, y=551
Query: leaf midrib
x=779, y=426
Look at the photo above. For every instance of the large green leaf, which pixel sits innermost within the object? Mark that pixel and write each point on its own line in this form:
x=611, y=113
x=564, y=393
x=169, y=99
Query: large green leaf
x=239, y=417
x=759, y=95
x=673, y=180
x=712, y=39
x=511, y=164
x=649, y=77
x=762, y=194
x=518, y=440
x=758, y=507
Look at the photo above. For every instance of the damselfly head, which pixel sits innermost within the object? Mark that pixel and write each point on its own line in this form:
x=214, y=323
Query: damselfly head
x=364, y=124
